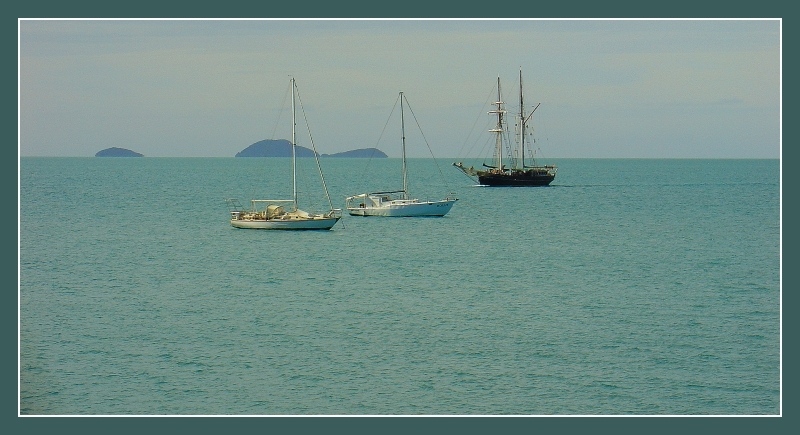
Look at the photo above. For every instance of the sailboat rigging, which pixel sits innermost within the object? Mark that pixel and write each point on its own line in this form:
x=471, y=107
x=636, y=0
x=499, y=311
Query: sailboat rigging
x=518, y=173
x=271, y=214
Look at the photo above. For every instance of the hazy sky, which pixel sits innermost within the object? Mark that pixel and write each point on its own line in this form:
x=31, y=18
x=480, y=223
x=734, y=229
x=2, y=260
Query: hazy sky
x=210, y=88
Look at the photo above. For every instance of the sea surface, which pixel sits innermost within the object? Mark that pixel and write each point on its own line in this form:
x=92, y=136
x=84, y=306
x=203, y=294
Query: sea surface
x=627, y=287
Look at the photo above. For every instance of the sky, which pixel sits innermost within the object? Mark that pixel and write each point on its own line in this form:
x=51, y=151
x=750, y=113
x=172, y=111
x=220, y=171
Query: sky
x=210, y=88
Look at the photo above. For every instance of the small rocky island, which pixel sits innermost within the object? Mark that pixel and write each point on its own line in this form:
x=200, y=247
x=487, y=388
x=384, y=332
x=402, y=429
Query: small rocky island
x=117, y=152
x=283, y=148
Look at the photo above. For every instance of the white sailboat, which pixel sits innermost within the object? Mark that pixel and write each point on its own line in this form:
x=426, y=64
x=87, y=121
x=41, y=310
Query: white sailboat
x=272, y=214
x=397, y=203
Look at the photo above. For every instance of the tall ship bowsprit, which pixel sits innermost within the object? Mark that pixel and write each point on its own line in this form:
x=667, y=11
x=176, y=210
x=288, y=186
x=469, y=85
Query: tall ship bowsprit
x=514, y=169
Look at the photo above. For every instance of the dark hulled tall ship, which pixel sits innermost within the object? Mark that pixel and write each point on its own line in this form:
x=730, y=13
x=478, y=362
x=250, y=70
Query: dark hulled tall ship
x=518, y=172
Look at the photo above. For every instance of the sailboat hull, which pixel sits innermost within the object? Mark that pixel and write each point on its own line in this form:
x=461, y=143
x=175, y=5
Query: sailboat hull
x=286, y=224
x=405, y=208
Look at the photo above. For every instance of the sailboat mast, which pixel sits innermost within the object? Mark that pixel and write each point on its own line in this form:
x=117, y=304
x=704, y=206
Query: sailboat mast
x=294, y=159
x=498, y=130
x=521, y=122
x=403, y=139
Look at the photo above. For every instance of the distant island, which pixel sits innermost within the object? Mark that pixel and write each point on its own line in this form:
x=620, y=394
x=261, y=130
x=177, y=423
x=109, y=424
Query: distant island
x=283, y=148
x=359, y=153
x=117, y=152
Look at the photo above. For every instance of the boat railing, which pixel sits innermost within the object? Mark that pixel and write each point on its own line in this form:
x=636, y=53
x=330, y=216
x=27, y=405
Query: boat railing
x=270, y=200
x=255, y=202
x=386, y=192
x=234, y=205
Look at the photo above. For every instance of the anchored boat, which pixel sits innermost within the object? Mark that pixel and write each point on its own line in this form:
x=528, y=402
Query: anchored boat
x=397, y=203
x=283, y=214
x=511, y=171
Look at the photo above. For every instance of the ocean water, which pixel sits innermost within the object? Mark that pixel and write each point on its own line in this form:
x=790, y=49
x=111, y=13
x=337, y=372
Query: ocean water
x=628, y=287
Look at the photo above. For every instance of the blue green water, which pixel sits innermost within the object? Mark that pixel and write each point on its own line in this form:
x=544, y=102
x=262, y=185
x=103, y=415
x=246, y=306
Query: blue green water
x=628, y=287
